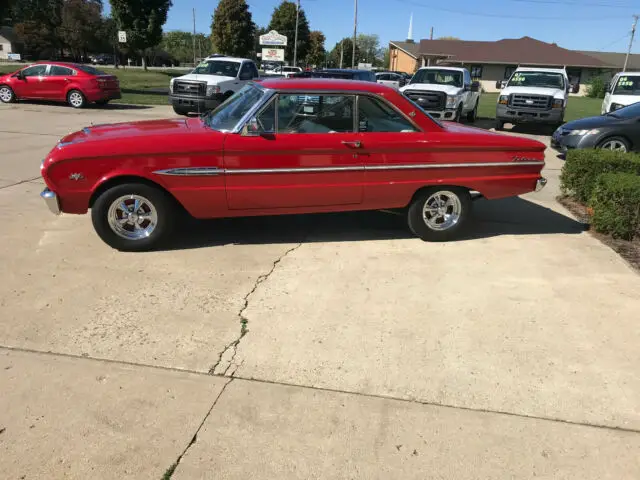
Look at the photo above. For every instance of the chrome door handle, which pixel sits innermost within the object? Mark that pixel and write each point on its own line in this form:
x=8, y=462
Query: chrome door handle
x=354, y=144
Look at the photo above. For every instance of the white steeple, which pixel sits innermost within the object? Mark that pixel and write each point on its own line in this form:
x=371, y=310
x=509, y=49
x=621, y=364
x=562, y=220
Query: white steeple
x=410, y=35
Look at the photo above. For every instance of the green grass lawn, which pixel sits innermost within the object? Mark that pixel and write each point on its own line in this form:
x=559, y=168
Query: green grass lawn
x=578, y=107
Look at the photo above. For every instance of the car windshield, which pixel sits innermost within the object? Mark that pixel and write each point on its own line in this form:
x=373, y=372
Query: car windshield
x=88, y=69
x=627, y=86
x=222, y=68
x=229, y=113
x=537, y=79
x=630, y=111
x=438, y=77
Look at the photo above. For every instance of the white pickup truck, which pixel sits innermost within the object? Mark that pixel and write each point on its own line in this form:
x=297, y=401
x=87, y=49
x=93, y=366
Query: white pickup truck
x=623, y=90
x=445, y=92
x=533, y=95
x=210, y=83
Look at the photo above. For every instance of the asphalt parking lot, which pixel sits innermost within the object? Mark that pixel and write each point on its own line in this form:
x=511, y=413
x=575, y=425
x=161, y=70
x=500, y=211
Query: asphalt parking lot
x=512, y=353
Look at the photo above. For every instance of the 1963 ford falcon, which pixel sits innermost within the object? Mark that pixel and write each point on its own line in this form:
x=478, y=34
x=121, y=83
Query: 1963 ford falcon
x=286, y=146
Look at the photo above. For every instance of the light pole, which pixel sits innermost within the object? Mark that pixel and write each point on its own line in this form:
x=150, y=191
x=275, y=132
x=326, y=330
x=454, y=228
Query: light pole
x=295, y=41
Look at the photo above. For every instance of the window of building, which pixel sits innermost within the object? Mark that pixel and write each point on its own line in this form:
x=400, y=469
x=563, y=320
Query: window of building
x=1, y=47
x=508, y=71
x=476, y=72
x=374, y=115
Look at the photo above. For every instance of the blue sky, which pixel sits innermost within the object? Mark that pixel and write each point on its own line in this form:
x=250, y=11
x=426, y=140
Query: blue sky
x=583, y=25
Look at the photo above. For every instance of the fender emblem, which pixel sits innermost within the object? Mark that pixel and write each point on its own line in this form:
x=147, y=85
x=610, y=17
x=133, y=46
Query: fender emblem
x=76, y=176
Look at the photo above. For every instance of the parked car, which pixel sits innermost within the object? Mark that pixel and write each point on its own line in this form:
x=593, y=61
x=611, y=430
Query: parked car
x=623, y=90
x=533, y=95
x=282, y=71
x=344, y=74
x=286, y=146
x=210, y=83
x=77, y=85
x=405, y=75
x=102, y=59
x=390, y=79
x=618, y=130
x=445, y=92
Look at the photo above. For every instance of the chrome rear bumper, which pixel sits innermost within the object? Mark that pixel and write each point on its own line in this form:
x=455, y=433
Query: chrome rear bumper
x=51, y=199
x=540, y=183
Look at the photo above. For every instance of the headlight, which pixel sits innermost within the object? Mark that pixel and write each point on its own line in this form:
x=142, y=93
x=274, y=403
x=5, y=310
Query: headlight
x=452, y=102
x=558, y=103
x=583, y=133
x=503, y=100
x=171, y=85
x=212, y=90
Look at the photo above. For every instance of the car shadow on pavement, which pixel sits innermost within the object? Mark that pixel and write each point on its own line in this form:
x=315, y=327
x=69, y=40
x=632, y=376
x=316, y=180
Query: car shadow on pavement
x=529, y=129
x=511, y=216
x=91, y=106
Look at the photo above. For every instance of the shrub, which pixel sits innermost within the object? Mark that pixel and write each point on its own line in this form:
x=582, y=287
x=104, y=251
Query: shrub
x=596, y=88
x=582, y=167
x=616, y=205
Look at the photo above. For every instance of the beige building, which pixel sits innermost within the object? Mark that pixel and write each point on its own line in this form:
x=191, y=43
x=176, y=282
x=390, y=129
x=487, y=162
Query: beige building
x=492, y=62
x=8, y=43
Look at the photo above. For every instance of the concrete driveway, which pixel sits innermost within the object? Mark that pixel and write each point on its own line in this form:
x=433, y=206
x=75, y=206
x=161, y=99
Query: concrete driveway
x=512, y=353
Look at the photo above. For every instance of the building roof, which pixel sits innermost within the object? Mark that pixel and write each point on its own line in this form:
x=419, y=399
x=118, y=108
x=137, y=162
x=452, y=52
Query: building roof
x=615, y=59
x=412, y=48
x=518, y=51
x=9, y=34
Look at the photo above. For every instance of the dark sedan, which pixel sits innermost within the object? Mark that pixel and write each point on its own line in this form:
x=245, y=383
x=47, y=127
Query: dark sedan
x=618, y=130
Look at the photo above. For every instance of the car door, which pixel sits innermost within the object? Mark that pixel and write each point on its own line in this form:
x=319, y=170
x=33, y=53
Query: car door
x=299, y=153
x=56, y=82
x=468, y=95
x=245, y=74
x=30, y=85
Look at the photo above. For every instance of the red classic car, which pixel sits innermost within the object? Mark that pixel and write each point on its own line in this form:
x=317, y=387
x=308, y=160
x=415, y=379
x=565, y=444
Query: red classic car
x=72, y=83
x=281, y=147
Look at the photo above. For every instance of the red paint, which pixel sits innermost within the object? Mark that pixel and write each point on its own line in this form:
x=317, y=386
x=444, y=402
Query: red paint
x=55, y=88
x=104, y=153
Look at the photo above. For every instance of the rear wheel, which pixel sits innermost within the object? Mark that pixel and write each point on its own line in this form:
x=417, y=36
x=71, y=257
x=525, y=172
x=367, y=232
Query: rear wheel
x=439, y=213
x=133, y=217
x=617, y=144
x=76, y=99
x=7, y=95
x=499, y=125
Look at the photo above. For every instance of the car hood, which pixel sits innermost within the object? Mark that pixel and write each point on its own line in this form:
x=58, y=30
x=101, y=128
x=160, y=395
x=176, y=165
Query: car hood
x=116, y=131
x=625, y=99
x=480, y=138
x=551, y=92
x=448, y=89
x=592, y=122
x=210, y=79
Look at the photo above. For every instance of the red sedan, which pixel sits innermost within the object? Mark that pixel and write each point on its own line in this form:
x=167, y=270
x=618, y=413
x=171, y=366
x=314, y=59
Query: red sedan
x=72, y=83
x=285, y=147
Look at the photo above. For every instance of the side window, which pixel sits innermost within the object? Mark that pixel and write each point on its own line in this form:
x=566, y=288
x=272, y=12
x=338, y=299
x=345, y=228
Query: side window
x=383, y=77
x=315, y=113
x=267, y=118
x=245, y=72
x=35, y=71
x=376, y=116
x=508, y=71
x=254, y=70
x=56, y=71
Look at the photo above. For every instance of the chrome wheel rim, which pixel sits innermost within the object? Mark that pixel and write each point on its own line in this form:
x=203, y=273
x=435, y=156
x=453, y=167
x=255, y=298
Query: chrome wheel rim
x=132, y=217
x=442, y=210
x=75, y=99
x=5, y=94
x=615, y=145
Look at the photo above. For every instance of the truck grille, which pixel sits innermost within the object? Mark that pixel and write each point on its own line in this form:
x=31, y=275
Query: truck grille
x=428, y=100
x=537, y=102
x=192, y=89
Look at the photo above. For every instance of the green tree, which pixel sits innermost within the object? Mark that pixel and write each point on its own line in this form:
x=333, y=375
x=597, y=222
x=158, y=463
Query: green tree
x=386, y=58
x=346, y=45
x=81, y=23
x=283, y=20
x=143, y=21
x=368, y=48
x=317, y=53
x=179, y=45
x=6, y=15
x=37, y=23
x=232, y=28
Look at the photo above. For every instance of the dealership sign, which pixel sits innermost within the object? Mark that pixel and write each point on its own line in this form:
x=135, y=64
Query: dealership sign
x=273, y=39
x=273, y=55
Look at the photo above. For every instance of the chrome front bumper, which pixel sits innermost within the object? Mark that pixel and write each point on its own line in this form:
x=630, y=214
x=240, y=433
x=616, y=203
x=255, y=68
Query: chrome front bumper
x=540, y=183
x=51, y=199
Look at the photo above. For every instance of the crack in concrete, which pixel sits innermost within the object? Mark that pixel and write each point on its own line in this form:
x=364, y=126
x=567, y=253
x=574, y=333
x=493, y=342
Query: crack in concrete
x=171, y=470
x=233, y=346
x=21, y=182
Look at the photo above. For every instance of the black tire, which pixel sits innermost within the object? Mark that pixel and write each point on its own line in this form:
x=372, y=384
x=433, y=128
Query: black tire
x=473, y=114
x=499, y=125
x=423, y=228
x=458, y=117
x=6, y=94
x=76, y=99
x=180, y=111
x=160, y=203
x=625, y=146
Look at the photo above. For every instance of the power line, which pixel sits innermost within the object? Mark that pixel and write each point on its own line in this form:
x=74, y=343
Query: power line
x=577, y=4
x=614, y=42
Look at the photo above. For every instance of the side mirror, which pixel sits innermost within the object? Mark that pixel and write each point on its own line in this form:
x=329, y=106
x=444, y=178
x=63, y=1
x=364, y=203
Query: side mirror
x=20, y=75
x=607, y=87
x=467, y=88
x=475, y=87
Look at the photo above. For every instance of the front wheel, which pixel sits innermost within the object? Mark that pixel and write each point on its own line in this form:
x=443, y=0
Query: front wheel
x=180, y=111
x=473, y=114
x=458, y=117
x=499, y=125
x=439, y=214
x=7, y=95
x=133, y=217
x=76, y=99
x=617, y=144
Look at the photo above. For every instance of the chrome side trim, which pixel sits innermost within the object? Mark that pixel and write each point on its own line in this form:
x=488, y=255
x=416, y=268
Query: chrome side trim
x=194, y=171
x=450, y=165
x=294, y=170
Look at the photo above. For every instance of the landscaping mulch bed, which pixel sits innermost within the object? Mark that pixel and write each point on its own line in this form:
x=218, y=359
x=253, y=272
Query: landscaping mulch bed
x=629, y=251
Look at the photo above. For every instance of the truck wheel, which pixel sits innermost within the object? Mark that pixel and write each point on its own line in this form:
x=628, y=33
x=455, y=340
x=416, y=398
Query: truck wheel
x=499, y=125
x=180, y=111
x=458, y=117
x=438, y=214
x=473, y=114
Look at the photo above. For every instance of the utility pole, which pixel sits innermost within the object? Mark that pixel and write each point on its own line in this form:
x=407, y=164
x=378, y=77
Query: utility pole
x=341, y=53
x=633, y=33
x=194, y=37
x=431, y=35
x=295, y=41
x=355, y=32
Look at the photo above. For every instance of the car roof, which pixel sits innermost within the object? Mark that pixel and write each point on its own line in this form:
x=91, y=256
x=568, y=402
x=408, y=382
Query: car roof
x=323, y=84
x=628, y=74
x=443, y=67
x=228, y=59
x=344, y=70
x=548, y=70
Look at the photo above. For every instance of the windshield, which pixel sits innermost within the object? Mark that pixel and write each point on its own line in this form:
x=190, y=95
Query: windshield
x=221, y=68
x=438, y=77
x=537, y=79
x=627, y=86
x=229, y=113
x=88, y=69
x=630, y=111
